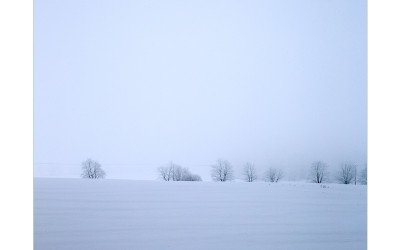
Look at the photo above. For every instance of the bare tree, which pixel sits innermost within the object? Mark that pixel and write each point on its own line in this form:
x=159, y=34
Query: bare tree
x=355, y=175
x=318, y=172
x=363, y=176
x=196, y=177
x=346, y=173
x=165, y=173
x=177, y=172
x=273, y=175
x=92, y=170
x=188, y=176
x=168, y=173
x=174, y=172
x=249, y=172
x=222, y=171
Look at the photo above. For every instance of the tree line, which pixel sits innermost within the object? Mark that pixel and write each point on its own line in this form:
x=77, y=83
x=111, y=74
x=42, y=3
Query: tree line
x=222, y=171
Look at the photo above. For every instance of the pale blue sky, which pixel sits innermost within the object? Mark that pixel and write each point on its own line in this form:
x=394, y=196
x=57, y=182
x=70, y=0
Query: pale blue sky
x=136, y=84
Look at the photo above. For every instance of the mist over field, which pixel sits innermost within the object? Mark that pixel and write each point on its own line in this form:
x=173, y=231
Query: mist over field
x=137, y=84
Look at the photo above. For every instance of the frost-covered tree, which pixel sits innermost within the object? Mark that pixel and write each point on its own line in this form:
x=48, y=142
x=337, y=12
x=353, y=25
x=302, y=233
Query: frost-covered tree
x=249, y=172
x=174, y=172
x=170, y=172
x=355, y=175
x=186, y=175
x=165, y=173
x=92, y=170
x=196, y=177
x=363, y=176
x=345, y=174
x=318, y=172
x=222, y=171
x=177, y=172
x=273, y=175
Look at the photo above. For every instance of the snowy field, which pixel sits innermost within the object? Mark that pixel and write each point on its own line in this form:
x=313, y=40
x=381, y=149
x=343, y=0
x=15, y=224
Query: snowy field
x=78, y=214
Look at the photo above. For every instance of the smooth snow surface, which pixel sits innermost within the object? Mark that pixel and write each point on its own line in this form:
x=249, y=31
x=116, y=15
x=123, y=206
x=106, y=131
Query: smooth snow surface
x=78, y=214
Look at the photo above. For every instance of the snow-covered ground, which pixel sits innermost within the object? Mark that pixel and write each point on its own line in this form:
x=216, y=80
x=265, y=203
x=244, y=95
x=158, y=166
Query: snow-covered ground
x=78, y=214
